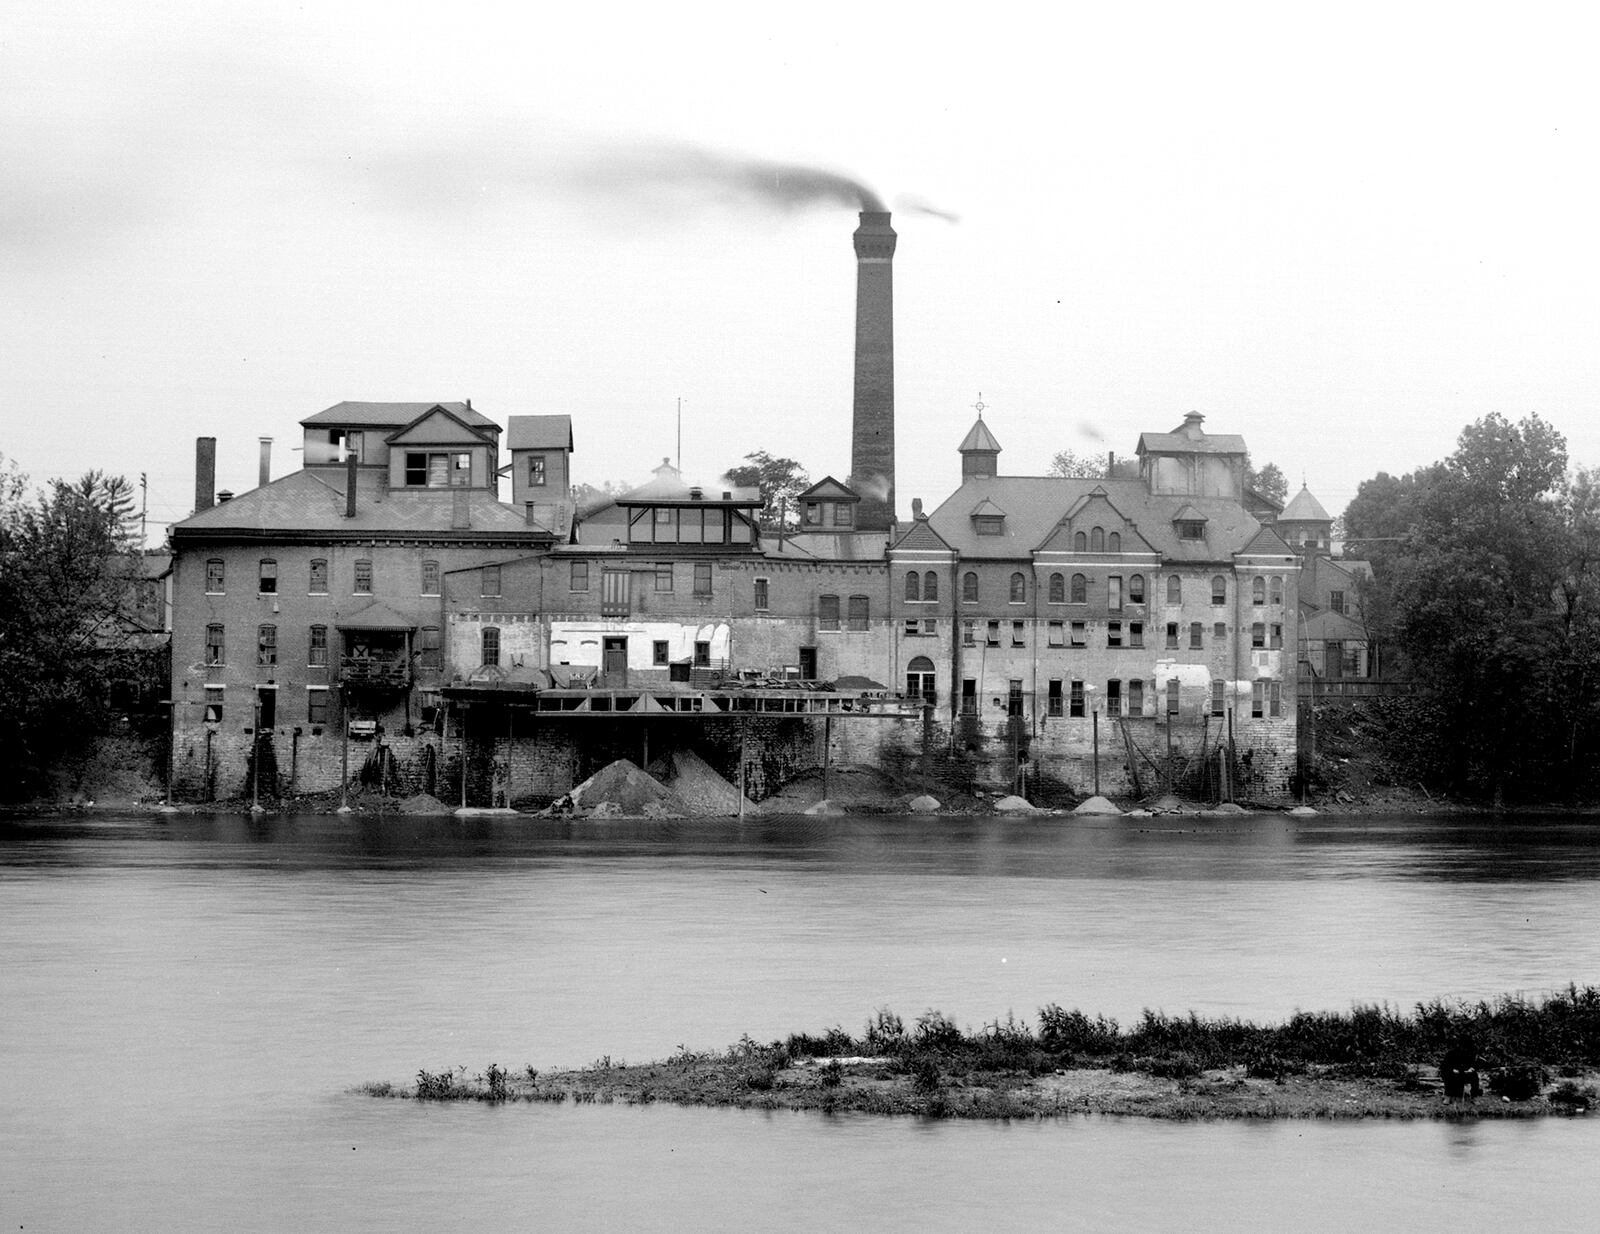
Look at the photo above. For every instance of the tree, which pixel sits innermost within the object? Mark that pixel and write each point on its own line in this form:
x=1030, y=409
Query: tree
x=781, y=481
x=68, y=563
x=1073, y=465
x=587, y=497
x=1268, y=480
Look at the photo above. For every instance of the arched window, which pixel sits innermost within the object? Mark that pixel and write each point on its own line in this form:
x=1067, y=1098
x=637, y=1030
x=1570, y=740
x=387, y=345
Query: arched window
x=930, y=586
x=1277, y=589
x=1114, y=542
x=1019, y=588
x=1080, y=589
x=1219, y=589
x=913, y=585
x=1174, y=589
x=1058, y=589
x=491, y=646
x=1080, y=543
x=920, y=680
x=1097, y=540
x=969, y=586
x=1136, y=589
x=1258, y=590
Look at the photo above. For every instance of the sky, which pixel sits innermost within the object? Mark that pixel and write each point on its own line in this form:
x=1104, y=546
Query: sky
x=1343, y=233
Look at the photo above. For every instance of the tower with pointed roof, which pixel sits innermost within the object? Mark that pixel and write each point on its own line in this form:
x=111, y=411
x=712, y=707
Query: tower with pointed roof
x=980, y=452
x=1305, y=524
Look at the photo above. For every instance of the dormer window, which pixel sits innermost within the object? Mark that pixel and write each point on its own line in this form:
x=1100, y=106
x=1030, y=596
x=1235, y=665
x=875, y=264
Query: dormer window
x=813, y=514
x=1191, y=529
x=989, y=525
x=844, y=514
x=427, y=470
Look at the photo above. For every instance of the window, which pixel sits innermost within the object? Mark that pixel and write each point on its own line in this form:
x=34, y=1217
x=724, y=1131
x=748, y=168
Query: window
x=1258, y=590
x=1097, y=540
x=267, y=644
x=1219, y=701
x=1080, y=634
x=616, y=593
x=1275, y=698
x=214, y=698
x=663, y=576
x=1136, y=589
x=1136, y=634
x=702, y=654
x=214, y=645
x=1080, y=589
x=1335, y=600
x=1113, y=634
x=536, y=470
x=702, y=578
x=1014, y=697
x=1277, y=636
x=424, y=470
x=579, y=576
x=214, y=576
x=1173, y=696
x=969, y=696
x=920, y=681
x=491, y=581
x=1019, y=588
x=1080, y=542
x=316, y=705
x=992, y=635
x=317, y=585
x=1075, y=700
x=1114, y=593
x=969, y=587
x=317, y=647
x=989, y=524
x=930, y=586
x=860, y=612
x=913, y=586
x=491, y=646
x=844, y=514
x=913, y=628
x=1172, y=635
x=969, y=633
x=1058, y=589
x=1258, y=634
x=1195, y=638
x=432, y=648
x=1174, y=589
x=268, y=578
x=1258, y=699
x=1052, y=699
x=1191, y=529
x=658, y=653
x=813, y=514
x=1114, y=542
x=1277, y=589
x=430, y=578
x=761, y=600
x=1219, y=589
x=362, y=585
x=1136, y=698
x=827, y=612
x=1058, y=634
x=1219, y=631
x=1113, y=697
x=1019, y=636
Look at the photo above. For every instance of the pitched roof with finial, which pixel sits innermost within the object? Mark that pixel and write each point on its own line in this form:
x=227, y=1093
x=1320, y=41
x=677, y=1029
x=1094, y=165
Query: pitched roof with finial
x=979, y=438
x=1304, y=508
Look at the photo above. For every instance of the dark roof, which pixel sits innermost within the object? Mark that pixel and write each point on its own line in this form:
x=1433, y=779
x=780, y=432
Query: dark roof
x=979, y=438
x=831, y=489
x=921, y=535
x=375, y=616
x=1035, y=504
x=539, y=433
x=394, y=415
x=312, y=501
x=1304, y=508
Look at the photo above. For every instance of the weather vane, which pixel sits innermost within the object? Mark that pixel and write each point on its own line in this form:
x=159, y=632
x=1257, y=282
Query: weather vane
x=980, y=404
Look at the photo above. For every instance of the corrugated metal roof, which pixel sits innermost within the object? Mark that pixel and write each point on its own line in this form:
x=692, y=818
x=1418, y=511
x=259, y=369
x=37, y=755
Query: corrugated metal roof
x=393, y=415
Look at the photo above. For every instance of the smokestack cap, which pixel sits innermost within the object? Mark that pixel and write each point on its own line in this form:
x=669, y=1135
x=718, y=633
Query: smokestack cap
x=875, y=239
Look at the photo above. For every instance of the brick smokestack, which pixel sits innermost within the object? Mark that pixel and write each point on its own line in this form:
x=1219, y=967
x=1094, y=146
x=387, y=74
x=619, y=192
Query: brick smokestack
x=872, y=426
x=266, y=461
x=205, y=473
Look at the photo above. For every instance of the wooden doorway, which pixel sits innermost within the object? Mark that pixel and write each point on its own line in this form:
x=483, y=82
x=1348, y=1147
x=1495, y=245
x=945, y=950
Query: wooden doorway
x=614, y=661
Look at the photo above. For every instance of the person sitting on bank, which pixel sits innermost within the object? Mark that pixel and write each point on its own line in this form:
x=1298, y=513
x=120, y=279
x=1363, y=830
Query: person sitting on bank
x=1458, y=1070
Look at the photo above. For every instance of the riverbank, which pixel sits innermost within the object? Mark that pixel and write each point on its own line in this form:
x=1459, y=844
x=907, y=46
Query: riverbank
x=1535, y=1060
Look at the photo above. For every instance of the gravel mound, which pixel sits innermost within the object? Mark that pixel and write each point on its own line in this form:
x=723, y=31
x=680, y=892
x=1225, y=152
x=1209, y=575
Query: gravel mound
x=625, y=786
x=1096, y=805
x=1015, y=805
x=422, y=803
x=700, y=788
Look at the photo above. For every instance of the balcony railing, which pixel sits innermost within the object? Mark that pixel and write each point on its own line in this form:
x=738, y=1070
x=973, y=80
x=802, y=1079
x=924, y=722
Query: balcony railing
x=387, y=671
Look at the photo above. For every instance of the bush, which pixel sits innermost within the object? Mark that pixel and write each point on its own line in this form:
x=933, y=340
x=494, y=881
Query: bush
x=886, y=1032
x=1574, y=1096
x=1072, y=1032
x=1520, y=1080
x=1179, y=1066
x=436, y=1086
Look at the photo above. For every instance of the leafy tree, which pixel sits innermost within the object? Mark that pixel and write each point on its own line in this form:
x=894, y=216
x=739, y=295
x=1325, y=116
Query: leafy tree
x=68, y=561
x=1269, y=481
x=1079, y=466
x=591, y=496
x=780, y=480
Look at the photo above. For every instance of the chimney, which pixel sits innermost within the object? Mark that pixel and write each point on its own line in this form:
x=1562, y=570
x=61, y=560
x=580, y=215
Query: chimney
x=872, y=425
x=350, y=486
x=225, y=496
x=266, y=461
x=205, y=473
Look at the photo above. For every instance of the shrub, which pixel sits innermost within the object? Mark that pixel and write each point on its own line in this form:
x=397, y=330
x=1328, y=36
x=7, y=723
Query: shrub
x=436, y=1086
x=1072, y=1032
x=832, y=1075
x=1520, y=1080
x=886, y=1032
x=495, y=1081
x=937, y=1031
x=1574, y=1096
x=925, y=1075
x=1179, y=1066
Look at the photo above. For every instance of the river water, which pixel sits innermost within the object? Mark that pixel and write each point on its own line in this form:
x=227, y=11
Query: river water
x=185, y=1002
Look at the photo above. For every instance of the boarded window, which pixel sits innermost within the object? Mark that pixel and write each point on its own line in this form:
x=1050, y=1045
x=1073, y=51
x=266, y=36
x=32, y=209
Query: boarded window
x=1058, y=634
x=1174, y=589
x=860, y=613
x=828, y=612
x=578, y=579
x=1136, y=634
x=491, y=580
x=1196, y=636
x=318, y=582
x=430, y=578
x=432, y=648
x=1136, y=698
x=913, y=586
x=930, y=586
x=702, y=578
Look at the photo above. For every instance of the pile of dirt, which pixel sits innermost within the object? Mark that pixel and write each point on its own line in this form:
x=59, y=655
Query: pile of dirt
x=626, y=786
x=698, y=786
x=423, y=803
x=857, y=790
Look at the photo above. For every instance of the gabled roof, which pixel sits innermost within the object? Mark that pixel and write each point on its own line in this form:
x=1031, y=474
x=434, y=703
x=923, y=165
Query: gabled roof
x=1268, y=542
x=313, y=500
x=375, y=616
x=1188, y=514
x=829, y=489
x=395, y=415
x=1328, y=624
x=539, y=433
x=979, y=438
x=921, y=536
x=437, y=417
x=1304, y=508
x=987, y=509
x=1180, y=442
